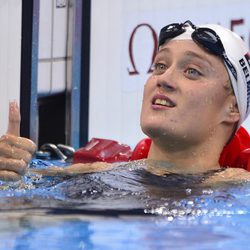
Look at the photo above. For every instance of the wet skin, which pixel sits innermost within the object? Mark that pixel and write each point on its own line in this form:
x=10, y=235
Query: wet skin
x=186, y=111
x=186, y=106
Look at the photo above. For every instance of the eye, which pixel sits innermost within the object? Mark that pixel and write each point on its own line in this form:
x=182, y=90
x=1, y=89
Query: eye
x=192, y=73
x=159, y=68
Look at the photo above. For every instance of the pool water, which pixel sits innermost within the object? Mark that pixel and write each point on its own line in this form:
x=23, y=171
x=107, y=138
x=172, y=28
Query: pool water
x=28, y=230
x=125, y=208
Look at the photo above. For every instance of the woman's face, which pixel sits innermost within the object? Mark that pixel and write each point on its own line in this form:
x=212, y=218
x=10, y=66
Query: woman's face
x=185, y=97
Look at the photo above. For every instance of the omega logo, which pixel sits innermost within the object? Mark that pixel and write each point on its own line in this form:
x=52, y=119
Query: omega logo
x=134, y=70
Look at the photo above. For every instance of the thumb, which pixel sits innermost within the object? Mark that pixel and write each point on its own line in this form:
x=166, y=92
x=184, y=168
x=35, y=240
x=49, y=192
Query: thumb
x=14, y=119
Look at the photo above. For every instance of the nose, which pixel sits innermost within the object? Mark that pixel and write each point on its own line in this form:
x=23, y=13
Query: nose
x=166, y=80
x=165, y=86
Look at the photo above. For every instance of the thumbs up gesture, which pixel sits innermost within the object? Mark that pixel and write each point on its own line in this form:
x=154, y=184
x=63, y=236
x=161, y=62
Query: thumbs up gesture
x=15, y=151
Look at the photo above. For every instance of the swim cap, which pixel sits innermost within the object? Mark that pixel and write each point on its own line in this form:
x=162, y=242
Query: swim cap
x=238, y=55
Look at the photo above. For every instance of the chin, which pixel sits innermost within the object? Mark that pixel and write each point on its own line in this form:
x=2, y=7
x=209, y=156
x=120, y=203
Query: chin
x=153, y=131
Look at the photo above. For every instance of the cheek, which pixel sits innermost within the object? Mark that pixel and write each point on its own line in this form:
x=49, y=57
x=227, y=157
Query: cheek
x=194, y=98
x=150, y=82
x=145, y=95
x=205, y=100
x=148, y=89
x=144, y=101
x=214, y=97
x=195, y=103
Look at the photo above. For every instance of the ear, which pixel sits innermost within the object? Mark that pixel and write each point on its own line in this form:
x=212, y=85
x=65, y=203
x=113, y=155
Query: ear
x=232, y=111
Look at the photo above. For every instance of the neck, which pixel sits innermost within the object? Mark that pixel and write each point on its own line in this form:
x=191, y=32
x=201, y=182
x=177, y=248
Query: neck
x=191, y=158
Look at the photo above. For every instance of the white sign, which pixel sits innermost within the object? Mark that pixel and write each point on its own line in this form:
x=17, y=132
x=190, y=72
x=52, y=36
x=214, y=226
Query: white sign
x=10, y=56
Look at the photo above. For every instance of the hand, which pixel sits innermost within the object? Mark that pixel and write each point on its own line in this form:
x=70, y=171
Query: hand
x=15, y=151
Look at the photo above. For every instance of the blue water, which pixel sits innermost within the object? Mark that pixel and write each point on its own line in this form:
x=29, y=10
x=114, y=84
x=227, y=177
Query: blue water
x=27, y=231
x=122, y=209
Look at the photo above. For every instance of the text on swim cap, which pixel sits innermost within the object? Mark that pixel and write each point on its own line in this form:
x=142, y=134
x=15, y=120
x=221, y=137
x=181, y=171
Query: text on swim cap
x=245, y=68
x=247, y=56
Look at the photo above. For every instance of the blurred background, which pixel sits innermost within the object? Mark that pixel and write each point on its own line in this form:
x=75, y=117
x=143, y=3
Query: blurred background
x=77, y=67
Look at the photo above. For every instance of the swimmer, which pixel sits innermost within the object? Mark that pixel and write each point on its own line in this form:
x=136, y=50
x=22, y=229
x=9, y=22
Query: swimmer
x=193, y=103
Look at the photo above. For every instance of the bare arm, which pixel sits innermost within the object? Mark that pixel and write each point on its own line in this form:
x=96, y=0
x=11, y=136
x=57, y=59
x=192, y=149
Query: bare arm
x=75, y=169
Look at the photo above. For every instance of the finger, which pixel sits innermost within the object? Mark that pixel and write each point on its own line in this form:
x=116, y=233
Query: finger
x=9, y=151
x=14, y=119
x=9, y=176
x=19, y=142
x=18, y=166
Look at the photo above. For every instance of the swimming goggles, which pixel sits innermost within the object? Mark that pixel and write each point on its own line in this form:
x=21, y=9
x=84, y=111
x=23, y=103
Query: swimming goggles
x=205, y=37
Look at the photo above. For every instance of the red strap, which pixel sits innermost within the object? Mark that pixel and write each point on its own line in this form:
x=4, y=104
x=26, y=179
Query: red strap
x=141, y=150
x=237, y=152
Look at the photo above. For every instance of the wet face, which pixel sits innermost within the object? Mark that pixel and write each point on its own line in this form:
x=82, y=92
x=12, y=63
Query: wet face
x=185, y=98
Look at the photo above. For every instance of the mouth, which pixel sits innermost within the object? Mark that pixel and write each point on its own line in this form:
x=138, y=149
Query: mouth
x=160, y=100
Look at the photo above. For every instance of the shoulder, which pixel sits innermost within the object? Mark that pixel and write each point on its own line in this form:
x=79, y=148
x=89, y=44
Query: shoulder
x=229, y=175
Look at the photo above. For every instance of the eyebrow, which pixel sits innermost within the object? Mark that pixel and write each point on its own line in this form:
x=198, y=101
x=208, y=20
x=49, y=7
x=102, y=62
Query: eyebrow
x=188, y=54
x=191, y=54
